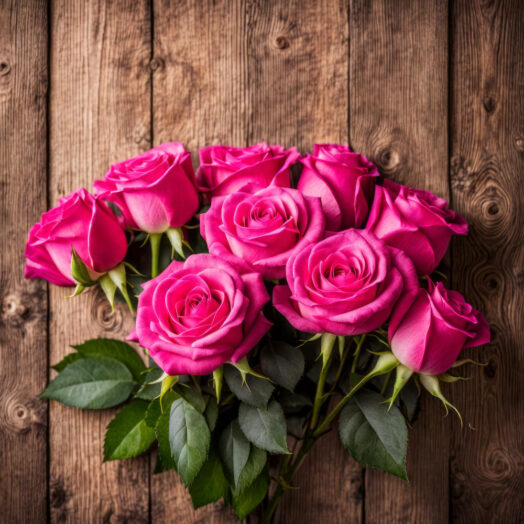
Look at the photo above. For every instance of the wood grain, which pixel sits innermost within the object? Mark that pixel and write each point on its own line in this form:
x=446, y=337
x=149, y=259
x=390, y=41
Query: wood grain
x=487, y=162
x=200, y=97
x=23, y=320
x=99, y=113
x=398, y=118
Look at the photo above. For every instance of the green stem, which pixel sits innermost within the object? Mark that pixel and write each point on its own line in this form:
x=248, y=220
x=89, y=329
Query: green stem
x=154, y=239
x=328, y=341
x=338, y=408
x=357, y=353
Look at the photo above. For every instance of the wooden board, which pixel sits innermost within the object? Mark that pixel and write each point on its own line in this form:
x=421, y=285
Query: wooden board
x=487, y=163
x=23, y=321
x=199, y=98
x=99, y=113
x=398, y=118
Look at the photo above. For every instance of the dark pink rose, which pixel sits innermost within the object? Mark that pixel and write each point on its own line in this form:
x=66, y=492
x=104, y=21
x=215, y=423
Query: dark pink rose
x=224, y=170
x=262, y=230
x=429, y=337
x=347, y=284
x=199, y=314
x=155, y=190
x=82, y=222
x=343, y=180
x=416, y=221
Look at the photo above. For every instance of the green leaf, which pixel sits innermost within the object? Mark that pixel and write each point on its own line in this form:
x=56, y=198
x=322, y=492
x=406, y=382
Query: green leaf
x=192, y=396
x=68, y=359
x=121, y=351
x=91, y=383
x=373, y=435
x=127, y=434
x=295, y=425
x=293, y=402
x=282, y=363
x=234, y=449
x=149, y=391
x=189, y=438
x=211, y=412
x=243, y=461
x=254, y=391
x=164, y=448
x=250, y=498
x=264, y=427
x=155, y=408
x=210, y=484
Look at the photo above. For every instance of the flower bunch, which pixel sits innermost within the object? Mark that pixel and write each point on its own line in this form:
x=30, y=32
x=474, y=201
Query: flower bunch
x=273, y=309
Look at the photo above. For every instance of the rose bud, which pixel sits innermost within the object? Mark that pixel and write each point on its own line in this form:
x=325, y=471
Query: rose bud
x=429, y=337
x=82, y=223
x=224, y=170
x=198, y=314
x=415, y=221
x=156, y=193
x=343, y=180
x=261, y=231
x=348, y=284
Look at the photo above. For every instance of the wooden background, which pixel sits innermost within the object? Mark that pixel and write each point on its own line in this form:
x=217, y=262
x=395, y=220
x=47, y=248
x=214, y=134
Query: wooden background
x=432, y=91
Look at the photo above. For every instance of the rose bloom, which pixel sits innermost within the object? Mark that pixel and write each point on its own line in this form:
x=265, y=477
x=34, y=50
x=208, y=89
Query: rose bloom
x=155, y=190
x=262, y=230
x=347, y=284
x=439, y=324
x=199, y=314
x=82, y=222
x=415, y=221
x=224, y=170
x=343, y=180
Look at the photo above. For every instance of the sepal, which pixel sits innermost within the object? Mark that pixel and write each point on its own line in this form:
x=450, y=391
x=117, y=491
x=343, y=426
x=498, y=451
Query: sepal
x=176, y=238
x=432, y=385
x=118, y=276
x=218, y=379
x=385, y=363
x=79, y=270
x=402, y=376
x=245, y=369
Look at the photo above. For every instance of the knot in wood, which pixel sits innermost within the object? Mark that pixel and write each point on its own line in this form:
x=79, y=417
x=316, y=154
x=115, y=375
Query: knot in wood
x=5, y=68
x=281, y=42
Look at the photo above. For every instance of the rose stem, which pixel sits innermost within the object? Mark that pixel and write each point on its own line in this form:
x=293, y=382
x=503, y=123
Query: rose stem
x=154, y=239
x=327, y=343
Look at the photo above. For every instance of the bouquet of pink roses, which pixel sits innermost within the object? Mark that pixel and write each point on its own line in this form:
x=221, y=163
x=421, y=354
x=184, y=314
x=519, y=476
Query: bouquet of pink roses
x=274, y=310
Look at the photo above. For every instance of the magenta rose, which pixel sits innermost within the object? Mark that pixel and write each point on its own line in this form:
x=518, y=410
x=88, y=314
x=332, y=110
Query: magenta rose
x=343, y=180
x=439, y=324
x=199, y=314
x=155, y=190
x=82, y=222
x=347, y=284
x=261, y=231
x=416, y=221
x=224, y=170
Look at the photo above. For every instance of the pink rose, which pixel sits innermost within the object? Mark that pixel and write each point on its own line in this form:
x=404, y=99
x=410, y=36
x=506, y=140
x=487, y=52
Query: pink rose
x=82, y=222
x=199, y=314
x=347, y=284
x=262, y=229
x=224, y=170
x=343, y=180
x=415, y=221
x=155, y=190
x=439, y=324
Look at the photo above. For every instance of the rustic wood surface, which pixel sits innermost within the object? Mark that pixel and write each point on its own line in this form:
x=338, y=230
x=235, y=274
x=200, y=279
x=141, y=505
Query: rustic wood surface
x=432, y=91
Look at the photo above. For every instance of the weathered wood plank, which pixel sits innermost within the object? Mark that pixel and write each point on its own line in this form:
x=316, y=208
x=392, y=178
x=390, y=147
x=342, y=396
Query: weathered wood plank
x=99, y=113
x=487, y=162
x=200, y=97
x=298, y=82
x=398, y=118
x=23, y=321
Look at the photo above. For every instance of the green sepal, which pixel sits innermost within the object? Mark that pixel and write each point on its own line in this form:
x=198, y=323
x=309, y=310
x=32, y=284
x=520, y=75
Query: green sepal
x=245, y=369
x=78, y=289
x=218, y=379
x=403, y=374
x=450, y=379
x=167, y=384
x=327, y=342
x=312, y=339
x=386, y=363
x=464, y=361
x=118, y=277
x=109, y=289
x=79, y=270
x=431, y=384
x=341, y=345
x=176, y=239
